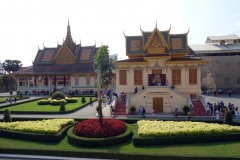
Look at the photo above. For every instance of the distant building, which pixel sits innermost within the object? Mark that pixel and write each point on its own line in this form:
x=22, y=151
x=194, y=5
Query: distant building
x=68, y=67
x=114, y=57
x=223, y=70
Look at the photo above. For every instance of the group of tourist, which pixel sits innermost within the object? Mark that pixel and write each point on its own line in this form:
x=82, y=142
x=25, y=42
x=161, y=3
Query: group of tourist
x=121, y=97
x=218, y=109
x=10, y=100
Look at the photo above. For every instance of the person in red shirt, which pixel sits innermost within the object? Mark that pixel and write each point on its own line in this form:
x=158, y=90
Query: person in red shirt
x=154, y=113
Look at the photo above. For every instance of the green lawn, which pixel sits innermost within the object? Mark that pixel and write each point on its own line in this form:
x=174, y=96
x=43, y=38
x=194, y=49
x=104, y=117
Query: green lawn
x=2, y=99
x=221, y=149
x=33, y=106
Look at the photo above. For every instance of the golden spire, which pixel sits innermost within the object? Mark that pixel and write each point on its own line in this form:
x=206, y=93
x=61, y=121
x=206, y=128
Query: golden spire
x=68, y=39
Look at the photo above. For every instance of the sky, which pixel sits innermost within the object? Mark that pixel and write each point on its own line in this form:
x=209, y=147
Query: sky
x=26, y=25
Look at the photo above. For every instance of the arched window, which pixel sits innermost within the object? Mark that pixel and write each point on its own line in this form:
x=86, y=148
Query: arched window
x=238, y=80
x=227, y=81
x=227, y=65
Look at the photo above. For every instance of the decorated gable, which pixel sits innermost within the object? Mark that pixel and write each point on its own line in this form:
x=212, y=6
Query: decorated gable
x=86, y=54
x=64, y=56
x=179, y=43
x=134, y=45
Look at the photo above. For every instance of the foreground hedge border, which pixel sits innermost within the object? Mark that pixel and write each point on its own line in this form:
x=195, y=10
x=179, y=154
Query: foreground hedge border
x=37, y=137
x=139, y=141
x=99, y=142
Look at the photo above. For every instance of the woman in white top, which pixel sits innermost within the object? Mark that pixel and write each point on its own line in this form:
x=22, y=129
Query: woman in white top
x=236, y=113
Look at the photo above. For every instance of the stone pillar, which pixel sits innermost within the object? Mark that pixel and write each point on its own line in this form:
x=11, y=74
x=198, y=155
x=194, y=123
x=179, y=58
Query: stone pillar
x=49, y=82
x=28, y=82
x=18, y=83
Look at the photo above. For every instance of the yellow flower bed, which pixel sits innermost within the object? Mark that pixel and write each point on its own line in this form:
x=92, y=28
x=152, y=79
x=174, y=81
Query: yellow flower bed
x=148, y=128
x=50, y=126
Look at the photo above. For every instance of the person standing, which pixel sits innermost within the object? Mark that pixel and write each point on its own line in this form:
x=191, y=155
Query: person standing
x=236, y=114
x=15, y=99
x=91, y=101
x=154, y=113
x=10, y=100
x=207, y=92
x=176, y=112
x=136, y=90
x=217, y=114
x=7, y=100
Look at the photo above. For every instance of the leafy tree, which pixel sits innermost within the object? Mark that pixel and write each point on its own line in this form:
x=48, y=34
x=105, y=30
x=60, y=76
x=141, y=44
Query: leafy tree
x=8, y=81
x=7, y=116
x=11, y=65
x=1, y=68
x=103, y=66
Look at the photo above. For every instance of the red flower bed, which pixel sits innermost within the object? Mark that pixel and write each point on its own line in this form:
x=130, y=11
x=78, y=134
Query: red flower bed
x=92, y=129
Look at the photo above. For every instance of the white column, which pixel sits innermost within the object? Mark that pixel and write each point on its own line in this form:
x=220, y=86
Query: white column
x=49, y=82
x=28, y=82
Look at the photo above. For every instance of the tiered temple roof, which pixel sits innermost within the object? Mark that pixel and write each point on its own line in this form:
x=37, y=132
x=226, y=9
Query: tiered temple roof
x=66, y=58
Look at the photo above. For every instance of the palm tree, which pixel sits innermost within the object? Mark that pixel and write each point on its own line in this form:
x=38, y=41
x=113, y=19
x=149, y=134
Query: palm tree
x=103, y=66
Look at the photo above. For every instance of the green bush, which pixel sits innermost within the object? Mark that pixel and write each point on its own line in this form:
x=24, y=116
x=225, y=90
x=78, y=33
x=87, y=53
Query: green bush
x=62, y=106
x=57, y=95
x=228, y=119
x=20, y=95
x=132, y=109
x=56, y=102
x=43, y=102
x=51, y=94
x=99, y=142
x=83, y=99
x=186, y=109
x=71, y=100
x=97, y=109
x=7, y=116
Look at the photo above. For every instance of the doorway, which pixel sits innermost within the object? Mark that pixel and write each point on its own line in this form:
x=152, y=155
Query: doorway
x=158, y=104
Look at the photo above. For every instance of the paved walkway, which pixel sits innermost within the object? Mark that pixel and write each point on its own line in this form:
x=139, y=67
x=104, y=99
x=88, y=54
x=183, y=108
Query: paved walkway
x=90, y=111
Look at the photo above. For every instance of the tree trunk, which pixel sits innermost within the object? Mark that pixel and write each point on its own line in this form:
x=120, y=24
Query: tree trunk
x=99, y=82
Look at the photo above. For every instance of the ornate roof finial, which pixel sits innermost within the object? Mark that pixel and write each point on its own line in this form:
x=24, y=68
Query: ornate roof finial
x=141, y=29
x=43, y=45
x=169, y=28
x=80, y=41
x=38, y=47
x=95, y=43
x=188, y=30
x=124, y=34
x=156, y=24
x=57, y=42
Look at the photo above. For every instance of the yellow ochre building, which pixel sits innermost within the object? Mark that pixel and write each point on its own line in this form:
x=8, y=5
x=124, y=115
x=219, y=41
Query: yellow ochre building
x=157, y=60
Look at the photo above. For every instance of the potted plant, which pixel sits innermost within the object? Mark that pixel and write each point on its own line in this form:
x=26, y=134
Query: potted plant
x=132, y=109
x=186, y=109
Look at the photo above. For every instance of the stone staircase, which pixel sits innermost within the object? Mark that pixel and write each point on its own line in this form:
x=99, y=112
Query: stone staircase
x=198, y=108
x=120, y=108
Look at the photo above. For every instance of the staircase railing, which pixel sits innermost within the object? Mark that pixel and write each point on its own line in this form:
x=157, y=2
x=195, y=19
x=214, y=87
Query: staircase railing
x=127, y=105
x=189, y=101
x=204, y=102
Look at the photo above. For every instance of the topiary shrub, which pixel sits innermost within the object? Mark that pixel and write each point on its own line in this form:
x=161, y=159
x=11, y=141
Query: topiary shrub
x=228, y=119
x=7, y=116
x=20, y=95
x=132, y=109
x=58, y=95
x=186, y=109
x=44, y=102
x=71, y=100
x=62, y=106
x=97, y=109
x=83, y=99
x=56, y=102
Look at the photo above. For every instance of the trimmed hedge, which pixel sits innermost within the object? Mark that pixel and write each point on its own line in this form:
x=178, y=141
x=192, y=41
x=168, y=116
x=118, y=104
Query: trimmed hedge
x=139, y=141
x=56, y=102
x=44, y=102
x=71, y=100
x=99, y=142
x=37, y=137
